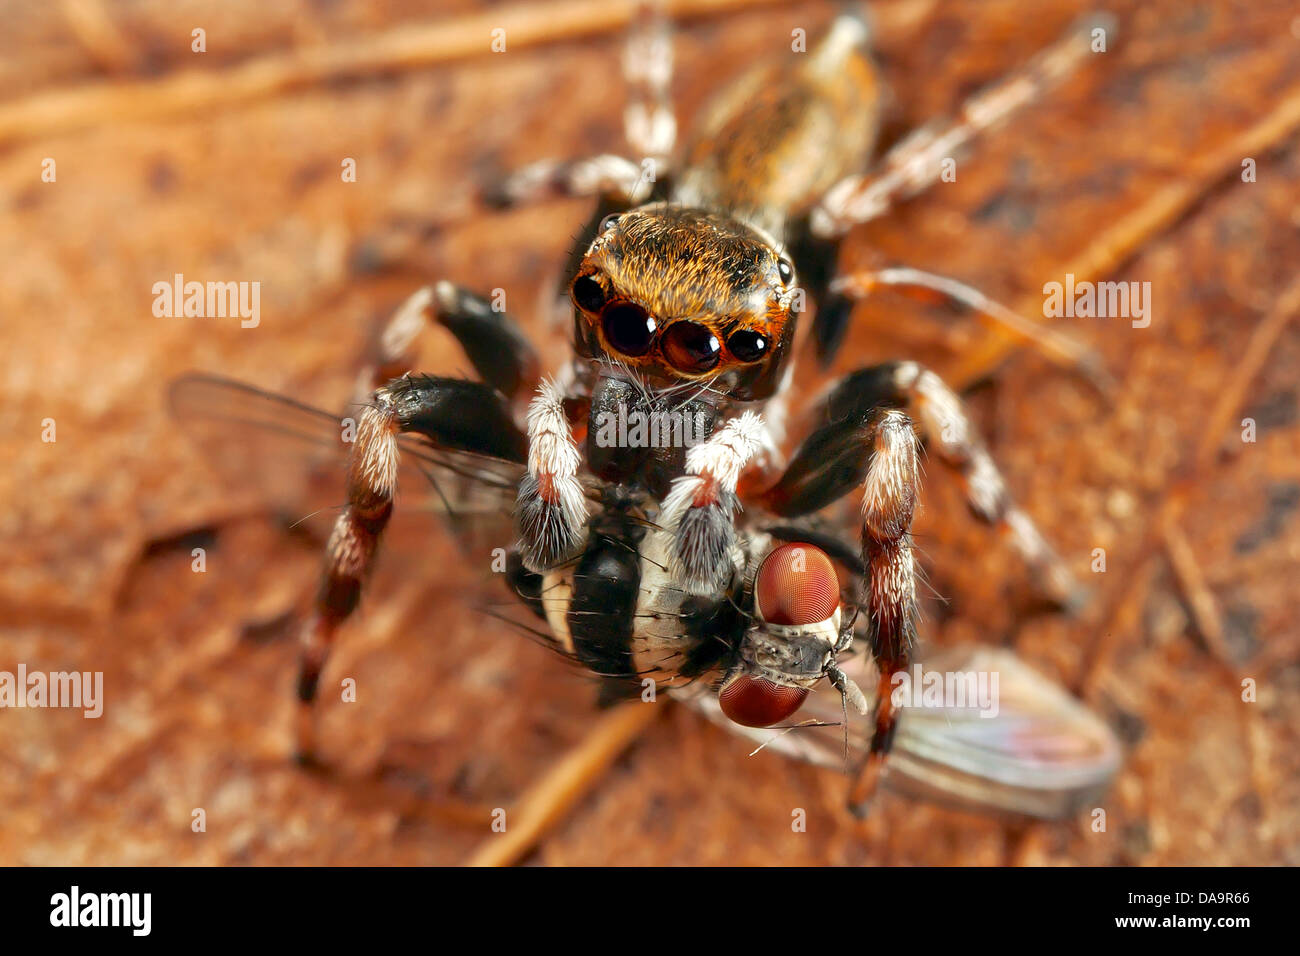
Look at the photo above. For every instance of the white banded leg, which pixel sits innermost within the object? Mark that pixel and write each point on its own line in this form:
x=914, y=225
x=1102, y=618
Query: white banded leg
x=699, y=512
x=889, y=495
x=550, y=510
x=603, y=175
x=916, y=162
x=648, y=119
x=1057, y=346
x=953, y=438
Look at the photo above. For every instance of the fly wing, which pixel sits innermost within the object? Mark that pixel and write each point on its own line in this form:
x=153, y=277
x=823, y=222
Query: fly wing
x=292, y=458
x=1041, y=754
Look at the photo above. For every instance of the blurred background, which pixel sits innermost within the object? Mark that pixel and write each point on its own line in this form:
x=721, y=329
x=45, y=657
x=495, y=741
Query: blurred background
x=225, y=164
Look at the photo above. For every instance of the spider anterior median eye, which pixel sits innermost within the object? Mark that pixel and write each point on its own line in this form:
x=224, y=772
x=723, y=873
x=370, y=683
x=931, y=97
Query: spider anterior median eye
x=747, y=345
x=588, y=293
x=607, y=222
x=690, y=347
x=785, y=269
x=628, y=328
x=757, y=702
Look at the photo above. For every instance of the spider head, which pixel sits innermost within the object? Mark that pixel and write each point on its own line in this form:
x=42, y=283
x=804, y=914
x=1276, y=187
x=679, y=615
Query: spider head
x=680, y=294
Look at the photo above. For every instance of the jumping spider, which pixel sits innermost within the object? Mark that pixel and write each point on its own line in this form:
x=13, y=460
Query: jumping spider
x=686, y=290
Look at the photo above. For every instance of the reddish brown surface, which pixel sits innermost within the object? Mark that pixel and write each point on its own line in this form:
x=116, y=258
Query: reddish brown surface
x=452, y=705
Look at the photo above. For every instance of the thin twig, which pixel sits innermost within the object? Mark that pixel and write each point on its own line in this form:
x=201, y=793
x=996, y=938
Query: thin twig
x=1182, y=558
x=551, y=797
x=1233, y=395
x=99, y=36
x=1112, y=248
x=1200, y=599
x=411, y=46
x=1120, y=614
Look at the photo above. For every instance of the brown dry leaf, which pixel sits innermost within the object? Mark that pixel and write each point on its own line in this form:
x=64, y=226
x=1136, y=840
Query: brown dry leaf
x=99, y=525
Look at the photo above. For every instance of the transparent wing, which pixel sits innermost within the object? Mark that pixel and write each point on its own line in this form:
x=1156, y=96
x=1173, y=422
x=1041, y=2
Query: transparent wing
x=293, y=458
x=1042, y=755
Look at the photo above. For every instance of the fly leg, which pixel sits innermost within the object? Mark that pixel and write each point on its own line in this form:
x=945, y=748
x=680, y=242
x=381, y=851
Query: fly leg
x=452, y=414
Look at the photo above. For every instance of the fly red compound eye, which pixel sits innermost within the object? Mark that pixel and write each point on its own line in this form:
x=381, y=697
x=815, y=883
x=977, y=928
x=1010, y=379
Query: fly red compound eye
x=797, y=584
x=757, y=702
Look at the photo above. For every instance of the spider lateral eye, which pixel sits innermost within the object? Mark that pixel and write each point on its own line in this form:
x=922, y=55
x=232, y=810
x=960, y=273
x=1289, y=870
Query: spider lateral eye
x=747, y=345
x=757, y=702
x=588, y=294
x=691, y=347
x=628, y=328
x=796, y=584
x=608, y=222
x=785, y=269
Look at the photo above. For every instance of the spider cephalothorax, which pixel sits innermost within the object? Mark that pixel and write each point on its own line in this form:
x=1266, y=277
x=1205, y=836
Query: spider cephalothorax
x=679, y=293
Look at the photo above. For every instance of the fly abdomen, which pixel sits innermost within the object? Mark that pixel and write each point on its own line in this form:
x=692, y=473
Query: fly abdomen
x=602, y=606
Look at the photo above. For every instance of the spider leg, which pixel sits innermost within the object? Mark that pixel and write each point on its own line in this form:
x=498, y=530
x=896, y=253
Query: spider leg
x=649, y=126
x=875, y=447
x=699, y=511
x=649, y=123
x=454, y=415
x=913, y=165
x=868, y=439
x=607, y=175
x=917, y=161
x=550, y=510
x=951, y=436
x=1056, y=346
x=889, y=493
x=494, y=344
